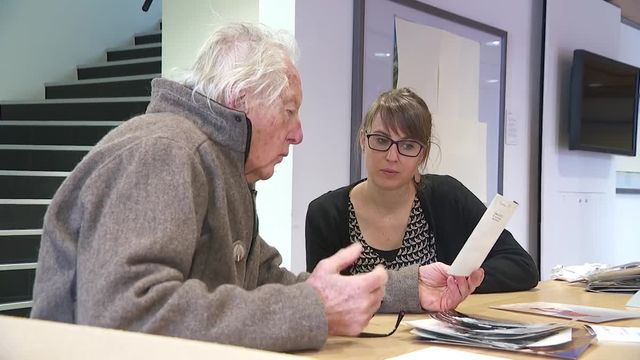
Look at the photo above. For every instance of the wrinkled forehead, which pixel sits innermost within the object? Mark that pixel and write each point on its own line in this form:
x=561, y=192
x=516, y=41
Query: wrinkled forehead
x=293, y=92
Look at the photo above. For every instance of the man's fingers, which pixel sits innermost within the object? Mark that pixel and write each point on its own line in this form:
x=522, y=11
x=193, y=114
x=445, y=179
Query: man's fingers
x=380, y=277
x=343, y=258
x=377, y=297
x=373, y=280
x=378, y=294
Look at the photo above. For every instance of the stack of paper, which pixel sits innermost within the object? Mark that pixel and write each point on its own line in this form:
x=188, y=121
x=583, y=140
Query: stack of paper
x=575, y=273
x=621, y=278
x=452, y=327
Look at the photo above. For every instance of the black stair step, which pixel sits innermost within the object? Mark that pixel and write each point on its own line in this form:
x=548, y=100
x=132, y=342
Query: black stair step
x=135, y=52
x=148, y=38
x=21, y=216
x=23, y=313
x=28, y=187
x=52, y=135
x=107, y=109
x=19, y=248
x=126, y=86
x=121, y=68
x=16, y=285
x=40, y=160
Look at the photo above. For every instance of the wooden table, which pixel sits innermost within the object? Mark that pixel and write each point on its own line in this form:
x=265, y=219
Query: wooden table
x=28, y=339
x=550, y=291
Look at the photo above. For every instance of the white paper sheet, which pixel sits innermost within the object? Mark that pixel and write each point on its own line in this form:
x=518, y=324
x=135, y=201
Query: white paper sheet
x=635, y=300
x=616, y=333
x=483, y=237
x=562, y=337
x=434, y=352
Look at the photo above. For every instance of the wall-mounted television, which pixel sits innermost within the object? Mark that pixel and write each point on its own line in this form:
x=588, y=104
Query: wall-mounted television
x=603, y=108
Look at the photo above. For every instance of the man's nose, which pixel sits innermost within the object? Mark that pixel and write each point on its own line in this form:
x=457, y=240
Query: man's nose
x=296, y=135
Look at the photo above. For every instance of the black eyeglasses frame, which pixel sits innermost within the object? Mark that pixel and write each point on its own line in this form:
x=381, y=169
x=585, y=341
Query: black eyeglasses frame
x=378, y=335
x=393, y=142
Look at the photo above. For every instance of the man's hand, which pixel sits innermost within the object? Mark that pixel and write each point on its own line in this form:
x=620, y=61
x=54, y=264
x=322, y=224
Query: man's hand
x=440, y=291
x=349, y=301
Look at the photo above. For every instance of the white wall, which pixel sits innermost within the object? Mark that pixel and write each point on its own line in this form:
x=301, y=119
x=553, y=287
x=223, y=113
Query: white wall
x=44, y=41
x=275, y=196
x=578, y=187
x=624, y=243
x=625, y=246
x=321, y=163
x=187, y=25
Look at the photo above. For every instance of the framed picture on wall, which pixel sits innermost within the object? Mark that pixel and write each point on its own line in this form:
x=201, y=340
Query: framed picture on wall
x=457, y=65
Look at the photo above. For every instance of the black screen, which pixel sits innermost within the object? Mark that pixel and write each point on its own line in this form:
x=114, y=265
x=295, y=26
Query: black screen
x=604, y=104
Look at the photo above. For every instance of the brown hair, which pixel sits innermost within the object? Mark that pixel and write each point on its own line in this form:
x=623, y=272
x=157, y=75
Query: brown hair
x=402, y=110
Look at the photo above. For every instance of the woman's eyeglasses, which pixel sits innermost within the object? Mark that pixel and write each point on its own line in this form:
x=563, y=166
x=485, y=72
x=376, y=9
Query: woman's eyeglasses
x=373, y=335
x=379, y=142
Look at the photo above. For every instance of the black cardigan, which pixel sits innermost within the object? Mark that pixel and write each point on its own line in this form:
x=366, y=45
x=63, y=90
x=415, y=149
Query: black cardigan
x=452, y=211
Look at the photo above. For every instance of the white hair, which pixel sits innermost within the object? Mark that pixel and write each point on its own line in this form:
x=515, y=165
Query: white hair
x=242, y=61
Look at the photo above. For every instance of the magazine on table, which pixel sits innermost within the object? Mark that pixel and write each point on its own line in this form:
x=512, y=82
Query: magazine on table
x=623, y=285
x=455, y=328
x=619, y=272
x=569, y=311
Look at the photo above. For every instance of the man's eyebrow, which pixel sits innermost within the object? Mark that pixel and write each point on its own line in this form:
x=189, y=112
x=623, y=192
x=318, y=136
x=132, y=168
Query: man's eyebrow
x=291, y=101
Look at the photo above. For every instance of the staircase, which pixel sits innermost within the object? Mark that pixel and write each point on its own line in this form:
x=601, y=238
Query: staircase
x=42, y=141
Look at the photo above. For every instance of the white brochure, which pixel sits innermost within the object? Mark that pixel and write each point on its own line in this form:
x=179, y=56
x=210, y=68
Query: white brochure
x=434, y=352
x=616, y=333
x=634, y=301
x=483, y=236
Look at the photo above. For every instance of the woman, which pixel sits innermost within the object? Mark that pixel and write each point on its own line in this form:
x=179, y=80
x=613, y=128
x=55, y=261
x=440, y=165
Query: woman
x=400, y=217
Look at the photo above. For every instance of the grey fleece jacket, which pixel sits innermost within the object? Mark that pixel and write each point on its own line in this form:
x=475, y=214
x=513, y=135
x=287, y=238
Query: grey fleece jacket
x=154, y=231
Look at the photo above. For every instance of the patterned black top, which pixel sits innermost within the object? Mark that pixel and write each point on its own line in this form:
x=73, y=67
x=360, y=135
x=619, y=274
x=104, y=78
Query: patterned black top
x=418, y=244
x=452, y=212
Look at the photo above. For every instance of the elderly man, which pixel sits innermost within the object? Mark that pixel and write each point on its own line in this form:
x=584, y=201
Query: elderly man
x=155, y=230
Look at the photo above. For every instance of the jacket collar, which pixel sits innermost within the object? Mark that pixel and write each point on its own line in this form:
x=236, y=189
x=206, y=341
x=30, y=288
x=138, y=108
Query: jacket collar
x=223, y=125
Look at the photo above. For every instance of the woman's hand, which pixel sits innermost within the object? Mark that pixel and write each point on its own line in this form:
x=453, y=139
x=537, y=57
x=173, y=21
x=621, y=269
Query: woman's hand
x=440, y=291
